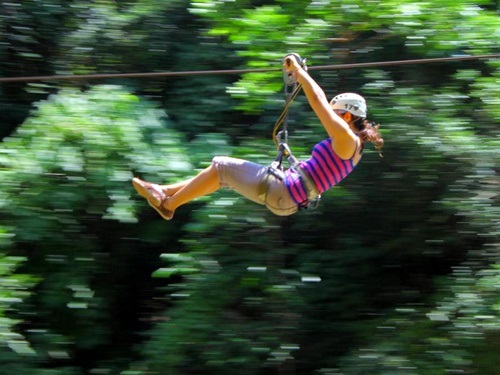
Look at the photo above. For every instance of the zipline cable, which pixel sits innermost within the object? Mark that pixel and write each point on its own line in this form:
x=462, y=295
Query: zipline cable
x=74, y=77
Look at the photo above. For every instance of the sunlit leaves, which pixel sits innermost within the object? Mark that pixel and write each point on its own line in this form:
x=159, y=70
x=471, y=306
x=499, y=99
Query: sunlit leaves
x=241, y=290
x=14, y=288
x=94, y=139
x=65, y=172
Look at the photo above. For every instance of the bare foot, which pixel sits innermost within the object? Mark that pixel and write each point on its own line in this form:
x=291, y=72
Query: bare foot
x=155, y=196
x=149, y=191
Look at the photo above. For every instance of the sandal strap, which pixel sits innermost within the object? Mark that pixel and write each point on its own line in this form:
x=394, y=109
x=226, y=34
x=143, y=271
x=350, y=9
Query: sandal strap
x=156, y=193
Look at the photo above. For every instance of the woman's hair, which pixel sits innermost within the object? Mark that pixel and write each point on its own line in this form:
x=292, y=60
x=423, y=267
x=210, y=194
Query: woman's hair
x=368, y=131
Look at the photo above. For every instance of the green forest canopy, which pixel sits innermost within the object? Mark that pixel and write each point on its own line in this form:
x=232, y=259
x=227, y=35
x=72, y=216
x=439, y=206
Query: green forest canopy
x=396, y=272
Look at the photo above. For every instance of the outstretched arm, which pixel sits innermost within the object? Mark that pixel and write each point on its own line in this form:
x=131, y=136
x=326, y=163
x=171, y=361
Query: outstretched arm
x=343, y=138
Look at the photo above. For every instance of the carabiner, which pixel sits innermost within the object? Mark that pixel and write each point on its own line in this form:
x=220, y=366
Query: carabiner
x=288, y=77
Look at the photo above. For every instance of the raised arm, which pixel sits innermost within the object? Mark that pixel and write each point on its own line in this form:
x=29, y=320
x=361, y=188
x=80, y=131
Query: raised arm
x=342, y=136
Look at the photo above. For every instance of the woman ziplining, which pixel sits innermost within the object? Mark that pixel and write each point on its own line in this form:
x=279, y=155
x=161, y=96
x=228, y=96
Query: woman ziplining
x=283, y=192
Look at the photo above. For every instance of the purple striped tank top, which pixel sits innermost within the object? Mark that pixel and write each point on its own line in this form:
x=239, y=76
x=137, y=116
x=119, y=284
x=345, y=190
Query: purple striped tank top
x=325, y=168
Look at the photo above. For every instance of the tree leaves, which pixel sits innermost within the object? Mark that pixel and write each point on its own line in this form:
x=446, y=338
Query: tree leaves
x=394, y=273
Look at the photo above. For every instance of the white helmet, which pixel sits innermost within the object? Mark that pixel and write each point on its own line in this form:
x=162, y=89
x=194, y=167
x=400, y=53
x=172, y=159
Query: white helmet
x=350, y=102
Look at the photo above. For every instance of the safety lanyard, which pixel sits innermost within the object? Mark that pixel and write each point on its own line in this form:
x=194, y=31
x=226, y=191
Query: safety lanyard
x=291, y=90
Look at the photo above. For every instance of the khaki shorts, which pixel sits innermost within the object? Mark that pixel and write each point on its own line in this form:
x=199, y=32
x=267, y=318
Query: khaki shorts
x=250, y=180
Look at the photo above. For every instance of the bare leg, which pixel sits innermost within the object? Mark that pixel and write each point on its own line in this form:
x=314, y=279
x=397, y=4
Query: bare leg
x=206, y=182
x=171, y=189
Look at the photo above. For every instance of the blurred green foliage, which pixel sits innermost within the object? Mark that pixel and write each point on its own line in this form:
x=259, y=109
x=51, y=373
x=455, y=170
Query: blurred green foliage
x=397, y=272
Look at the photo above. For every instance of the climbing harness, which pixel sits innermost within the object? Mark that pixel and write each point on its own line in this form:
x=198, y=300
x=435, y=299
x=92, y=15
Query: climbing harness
x=280, y=138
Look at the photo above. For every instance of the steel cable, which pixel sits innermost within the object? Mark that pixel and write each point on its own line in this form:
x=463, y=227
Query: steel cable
x=74, y=77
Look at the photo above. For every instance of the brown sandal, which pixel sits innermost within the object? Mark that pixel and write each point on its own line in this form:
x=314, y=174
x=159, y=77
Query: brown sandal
x=154, y=195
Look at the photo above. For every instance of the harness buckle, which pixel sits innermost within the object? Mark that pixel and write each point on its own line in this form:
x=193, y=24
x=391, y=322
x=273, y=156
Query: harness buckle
x=313, y=205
